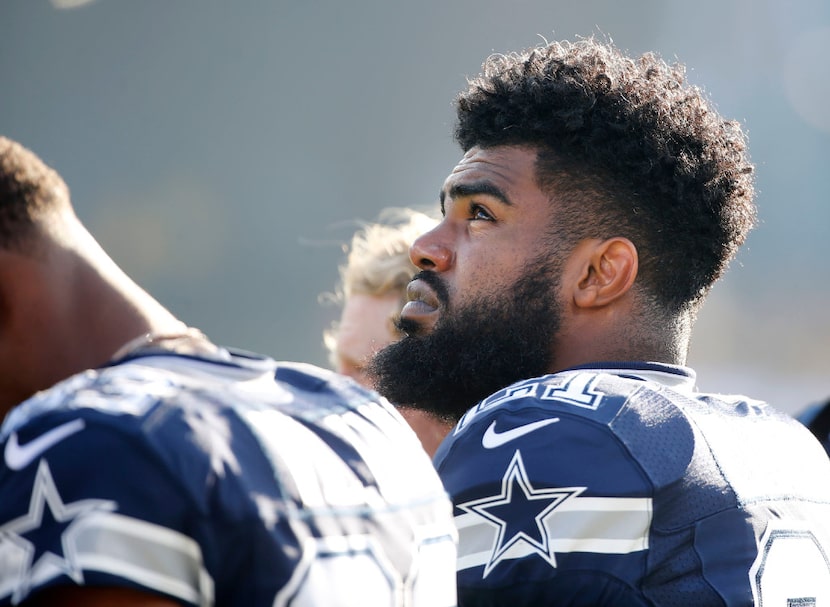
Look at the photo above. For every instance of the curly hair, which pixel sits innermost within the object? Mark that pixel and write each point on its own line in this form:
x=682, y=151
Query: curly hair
x=629, y=141
x=28, y=190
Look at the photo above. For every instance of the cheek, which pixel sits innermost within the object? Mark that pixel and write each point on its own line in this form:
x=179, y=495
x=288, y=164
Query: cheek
x=484, y=272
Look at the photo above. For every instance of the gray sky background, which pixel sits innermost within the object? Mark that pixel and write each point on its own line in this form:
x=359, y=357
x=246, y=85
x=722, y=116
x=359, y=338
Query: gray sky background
x=224, y=151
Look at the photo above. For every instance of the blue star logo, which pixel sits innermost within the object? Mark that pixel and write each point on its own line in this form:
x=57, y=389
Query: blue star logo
x=42, y=539
x=519, y=513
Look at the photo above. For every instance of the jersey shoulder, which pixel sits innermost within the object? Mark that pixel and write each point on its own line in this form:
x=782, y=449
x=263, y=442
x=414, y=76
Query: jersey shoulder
x=550, y=407
x=555, y=430
x=213, y=481
x=579, y=482
x=124, y=392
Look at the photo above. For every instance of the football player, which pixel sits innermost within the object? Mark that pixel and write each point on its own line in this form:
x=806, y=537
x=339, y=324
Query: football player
x=179, y=472
x=598, y=199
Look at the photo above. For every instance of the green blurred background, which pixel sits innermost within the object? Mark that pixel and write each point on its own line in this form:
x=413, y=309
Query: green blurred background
x=223, y=152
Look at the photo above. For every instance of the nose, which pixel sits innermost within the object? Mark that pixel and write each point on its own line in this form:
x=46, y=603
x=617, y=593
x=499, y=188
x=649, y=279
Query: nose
x=429, y=252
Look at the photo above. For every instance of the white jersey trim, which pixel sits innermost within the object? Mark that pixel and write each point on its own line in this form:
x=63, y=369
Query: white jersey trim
x=603, y=525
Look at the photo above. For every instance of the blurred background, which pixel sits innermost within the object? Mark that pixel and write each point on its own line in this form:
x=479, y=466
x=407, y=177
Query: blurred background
x=223, y=152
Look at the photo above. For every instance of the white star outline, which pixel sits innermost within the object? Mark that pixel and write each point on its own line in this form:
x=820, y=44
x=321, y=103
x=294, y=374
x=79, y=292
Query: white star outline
x=49, y=565
x=516, y=473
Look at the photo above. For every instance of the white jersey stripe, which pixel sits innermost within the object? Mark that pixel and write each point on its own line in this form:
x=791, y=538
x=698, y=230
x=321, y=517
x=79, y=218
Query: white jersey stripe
x=150, y=555
x=591, y=524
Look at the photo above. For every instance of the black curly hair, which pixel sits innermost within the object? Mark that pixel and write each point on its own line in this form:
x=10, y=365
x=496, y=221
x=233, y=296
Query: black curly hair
x=628, y=141
x=29, y=190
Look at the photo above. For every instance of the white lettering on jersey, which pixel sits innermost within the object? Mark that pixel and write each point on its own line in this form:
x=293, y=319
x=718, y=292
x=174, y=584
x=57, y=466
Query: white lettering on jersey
x=524, y=390
x=790, y=569
x=578, y=390
x=331, y=566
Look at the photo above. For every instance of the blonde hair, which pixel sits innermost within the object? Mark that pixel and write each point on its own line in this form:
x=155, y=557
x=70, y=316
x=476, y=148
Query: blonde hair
x=377, y=259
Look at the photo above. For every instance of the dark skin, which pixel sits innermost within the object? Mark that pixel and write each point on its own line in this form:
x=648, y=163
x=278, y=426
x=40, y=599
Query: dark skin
x=495, y=221
x=73, y=596
x=65, y=307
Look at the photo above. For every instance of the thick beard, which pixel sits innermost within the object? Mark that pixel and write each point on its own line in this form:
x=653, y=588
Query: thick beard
x=476, y=350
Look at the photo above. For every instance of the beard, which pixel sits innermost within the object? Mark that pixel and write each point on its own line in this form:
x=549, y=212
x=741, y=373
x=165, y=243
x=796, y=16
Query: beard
x=476, y=350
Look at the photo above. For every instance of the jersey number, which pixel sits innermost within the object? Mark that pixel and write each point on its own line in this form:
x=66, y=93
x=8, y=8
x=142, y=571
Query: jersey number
x=791, y=570
x=342, y=572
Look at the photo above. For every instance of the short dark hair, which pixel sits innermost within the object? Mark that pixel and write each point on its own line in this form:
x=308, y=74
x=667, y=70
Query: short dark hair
x=29, y=189
x=633, y=143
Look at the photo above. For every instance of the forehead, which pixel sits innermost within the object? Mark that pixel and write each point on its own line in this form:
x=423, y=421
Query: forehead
x=506, y=168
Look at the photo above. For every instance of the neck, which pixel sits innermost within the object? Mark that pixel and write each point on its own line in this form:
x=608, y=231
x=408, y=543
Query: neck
x=111, y=309
x=67, y=309
x=667, y=341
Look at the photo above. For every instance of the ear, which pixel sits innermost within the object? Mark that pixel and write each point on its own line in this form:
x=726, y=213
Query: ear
x=609, y=270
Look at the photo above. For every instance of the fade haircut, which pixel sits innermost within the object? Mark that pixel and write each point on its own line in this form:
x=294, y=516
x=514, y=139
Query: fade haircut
x=625, y=148
x=29, y=190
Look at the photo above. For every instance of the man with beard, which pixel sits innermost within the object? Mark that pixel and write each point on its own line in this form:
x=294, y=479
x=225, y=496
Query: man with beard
x=598, y=199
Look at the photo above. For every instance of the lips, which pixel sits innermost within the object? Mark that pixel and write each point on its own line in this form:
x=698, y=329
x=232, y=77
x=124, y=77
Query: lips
x=423, y=305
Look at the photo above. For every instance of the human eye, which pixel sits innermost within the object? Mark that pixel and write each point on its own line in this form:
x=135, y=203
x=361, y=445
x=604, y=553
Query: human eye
x=479, y=213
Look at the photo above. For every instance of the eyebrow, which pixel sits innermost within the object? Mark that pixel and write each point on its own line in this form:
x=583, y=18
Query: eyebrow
x=459, y=190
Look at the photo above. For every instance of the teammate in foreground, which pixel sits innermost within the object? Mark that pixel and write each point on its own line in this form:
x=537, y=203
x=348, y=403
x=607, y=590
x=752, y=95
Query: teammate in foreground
x=178, y=472
x=598, y=199
x=373, y=290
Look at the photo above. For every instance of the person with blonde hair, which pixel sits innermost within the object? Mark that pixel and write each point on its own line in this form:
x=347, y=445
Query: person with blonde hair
x=372, y=291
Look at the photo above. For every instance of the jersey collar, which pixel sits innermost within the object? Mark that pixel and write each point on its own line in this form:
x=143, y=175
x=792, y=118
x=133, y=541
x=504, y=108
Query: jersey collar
x=677, y=377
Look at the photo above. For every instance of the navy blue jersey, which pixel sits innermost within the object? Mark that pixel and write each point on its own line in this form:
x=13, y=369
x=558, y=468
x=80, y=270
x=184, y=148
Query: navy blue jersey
x=621, y=485
x=227, y=480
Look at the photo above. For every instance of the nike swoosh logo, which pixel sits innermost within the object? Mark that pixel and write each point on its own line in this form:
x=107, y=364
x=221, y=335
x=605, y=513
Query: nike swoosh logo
x=19, y=456
x=493, y=439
